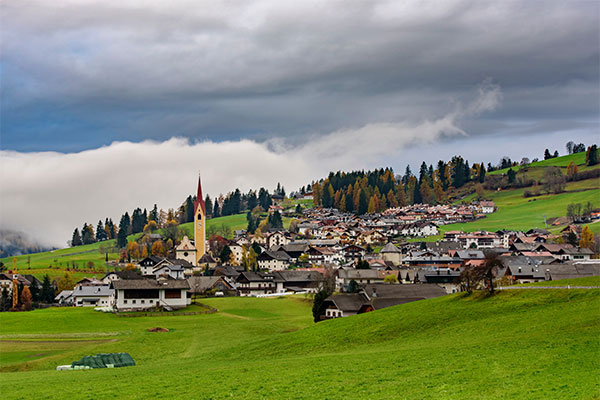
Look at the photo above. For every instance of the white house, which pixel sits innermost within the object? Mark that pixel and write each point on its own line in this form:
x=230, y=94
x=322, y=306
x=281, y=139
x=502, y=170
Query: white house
x=140, y=294
x=276, y=239
x=237, y=250
x=92, y=296
x=273, y=260
x=174, y=271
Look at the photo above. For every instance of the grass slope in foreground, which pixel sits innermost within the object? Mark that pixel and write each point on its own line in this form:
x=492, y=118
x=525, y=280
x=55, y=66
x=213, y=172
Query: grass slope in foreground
x=536, y=344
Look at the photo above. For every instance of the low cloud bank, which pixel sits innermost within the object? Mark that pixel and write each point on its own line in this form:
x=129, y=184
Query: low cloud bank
x=48, y=194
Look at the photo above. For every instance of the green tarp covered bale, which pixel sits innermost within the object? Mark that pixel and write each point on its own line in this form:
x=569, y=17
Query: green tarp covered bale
x=103, y=359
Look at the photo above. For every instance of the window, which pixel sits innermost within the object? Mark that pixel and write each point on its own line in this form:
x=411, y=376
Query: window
x=172, y=293
x=143, y=301
x=133, y=301
x=124, y=301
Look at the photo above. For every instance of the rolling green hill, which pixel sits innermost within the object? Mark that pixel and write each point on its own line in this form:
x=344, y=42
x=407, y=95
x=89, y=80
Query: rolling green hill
x=56, y=262
x=534, y=344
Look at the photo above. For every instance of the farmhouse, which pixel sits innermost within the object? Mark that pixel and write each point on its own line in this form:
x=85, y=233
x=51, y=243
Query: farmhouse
x=344, y=305
x=131, y=295
x=92, y=296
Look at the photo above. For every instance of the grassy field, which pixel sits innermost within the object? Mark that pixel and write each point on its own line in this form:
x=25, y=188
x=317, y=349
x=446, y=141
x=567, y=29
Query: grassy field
x=518, y=344
x=562, y=162
x=55, y=263
x=516, y=212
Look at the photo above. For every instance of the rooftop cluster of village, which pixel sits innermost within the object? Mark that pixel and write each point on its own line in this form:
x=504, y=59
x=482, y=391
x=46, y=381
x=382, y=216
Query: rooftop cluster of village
x=369, y=261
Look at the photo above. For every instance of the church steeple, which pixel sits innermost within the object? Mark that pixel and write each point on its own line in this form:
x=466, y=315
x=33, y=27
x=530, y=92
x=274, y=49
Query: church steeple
x=199, y=223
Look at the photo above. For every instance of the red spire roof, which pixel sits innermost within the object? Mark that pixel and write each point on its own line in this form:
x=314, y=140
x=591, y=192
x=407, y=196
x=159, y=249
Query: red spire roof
x=199, y=198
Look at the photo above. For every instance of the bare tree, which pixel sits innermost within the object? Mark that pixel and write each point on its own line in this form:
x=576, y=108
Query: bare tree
x=554, y=180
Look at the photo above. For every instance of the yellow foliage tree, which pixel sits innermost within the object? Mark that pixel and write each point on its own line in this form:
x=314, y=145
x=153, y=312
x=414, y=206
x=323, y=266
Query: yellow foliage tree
x=144, y=252
x=372, y=207
x=130, y=267
x=572, y=169
x=26, y=298
x=587, y=238
x=66, y=282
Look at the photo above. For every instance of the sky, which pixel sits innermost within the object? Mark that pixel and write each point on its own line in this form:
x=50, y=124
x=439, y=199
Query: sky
x=106, y=106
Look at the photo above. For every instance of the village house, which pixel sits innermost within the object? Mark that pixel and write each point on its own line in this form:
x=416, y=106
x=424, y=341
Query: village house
x=92, y=296
x=276, y=239
x=273, y=260
x=140, y=294
x=344, y=305
x=252, y=284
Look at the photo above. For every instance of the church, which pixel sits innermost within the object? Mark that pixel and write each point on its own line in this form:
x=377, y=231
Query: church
x=193, y=251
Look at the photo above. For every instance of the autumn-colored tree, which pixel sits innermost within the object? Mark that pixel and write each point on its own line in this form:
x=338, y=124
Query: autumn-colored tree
x=426, y=194
x=392, y=200
x=586, y=238
x=372, y=208
x=133, y=249
x=26, y=299
x=342, y=203
x=158, y=248
x=144, y=251
x=65, y=283
x=316, y=193
x=438, y=192
x=150, y=227
x=130, y=267
x=572, y=169
x=401, y=195
x=383, y=203
x=390, y=279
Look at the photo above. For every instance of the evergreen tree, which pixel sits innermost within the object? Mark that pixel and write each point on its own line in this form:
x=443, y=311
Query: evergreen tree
x=349, y=202
x=189, y=209
x=511, y=176
x=423, y=172
x=153, y=216
x=216, y=212
x=592, y=155
x=87, y=234
x=363, y=205
x=441, y=168
x=547, y=155
x=123, y=231
x=208, y=205
x=225, y=254
x=100, y=232
x=47, y=294
x=35, y=292
x=76, y=240
x=275, y=220
x=407, y=175
x=555, y=154
x=264, y=199
x=5, y=301
x=481, y=175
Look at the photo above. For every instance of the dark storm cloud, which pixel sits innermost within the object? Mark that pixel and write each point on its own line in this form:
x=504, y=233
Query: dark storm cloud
x=136, y=70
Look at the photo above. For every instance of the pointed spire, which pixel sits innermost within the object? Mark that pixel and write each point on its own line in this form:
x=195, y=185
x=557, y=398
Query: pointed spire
x=199, y=198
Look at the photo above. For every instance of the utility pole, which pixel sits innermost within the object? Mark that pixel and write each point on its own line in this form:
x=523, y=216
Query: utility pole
x=545, y=224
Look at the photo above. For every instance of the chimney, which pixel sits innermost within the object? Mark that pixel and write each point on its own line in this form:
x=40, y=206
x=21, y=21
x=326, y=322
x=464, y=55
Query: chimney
x=519, y=269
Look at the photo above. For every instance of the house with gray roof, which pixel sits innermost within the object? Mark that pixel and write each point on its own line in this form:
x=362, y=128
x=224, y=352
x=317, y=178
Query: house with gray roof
x=142, y=294
x=92, y=296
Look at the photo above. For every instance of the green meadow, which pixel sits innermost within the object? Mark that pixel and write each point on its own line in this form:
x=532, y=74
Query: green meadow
x=55, y=263
x=533, y=344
